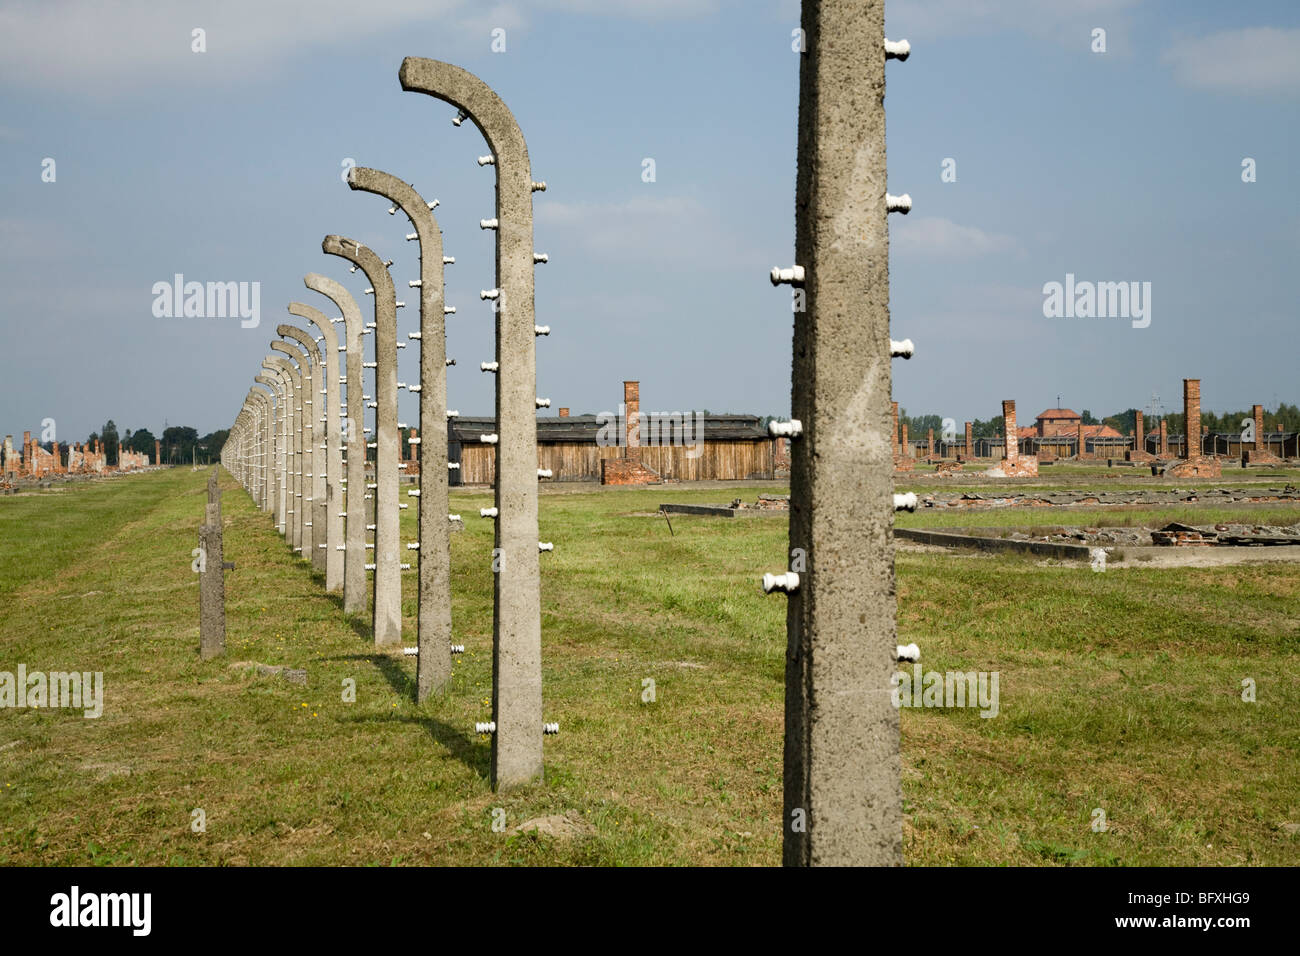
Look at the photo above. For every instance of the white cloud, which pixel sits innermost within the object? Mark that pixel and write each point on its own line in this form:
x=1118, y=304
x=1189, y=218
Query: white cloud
x=943, y=238
x=96, y=48
x=1253, y=60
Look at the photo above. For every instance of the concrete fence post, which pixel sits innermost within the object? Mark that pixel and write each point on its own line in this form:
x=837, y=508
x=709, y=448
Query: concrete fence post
x=843, y=799
x=313, y=454
x=517, y=643
x=301, y=439
x=433, y=662
x=352, y=436
x=387, y=608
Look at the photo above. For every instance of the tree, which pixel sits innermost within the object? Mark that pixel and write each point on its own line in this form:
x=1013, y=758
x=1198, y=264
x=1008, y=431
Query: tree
x=179, y=443
x=140, y=440
x=111, y=441
x=1087, y=418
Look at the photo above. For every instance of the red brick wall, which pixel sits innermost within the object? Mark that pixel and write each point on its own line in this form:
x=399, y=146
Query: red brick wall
x=632, y=413
x=1012, y=447
x=1192, y=415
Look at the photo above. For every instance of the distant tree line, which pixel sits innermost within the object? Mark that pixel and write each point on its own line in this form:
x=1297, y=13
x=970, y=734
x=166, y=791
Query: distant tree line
x=180, y=443
x=1288, y=416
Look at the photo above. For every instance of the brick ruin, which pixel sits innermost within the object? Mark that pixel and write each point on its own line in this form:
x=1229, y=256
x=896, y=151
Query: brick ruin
x=1139, y=450
x=1013, y=464
x=1260, y=454
x=1196, y=464
x=33, y=462
x=903, y=460
x=627, y=469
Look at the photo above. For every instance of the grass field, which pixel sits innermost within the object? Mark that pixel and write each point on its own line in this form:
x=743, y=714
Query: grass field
x=1120, y=691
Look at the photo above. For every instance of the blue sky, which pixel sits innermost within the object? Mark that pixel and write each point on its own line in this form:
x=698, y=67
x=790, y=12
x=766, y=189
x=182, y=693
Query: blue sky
x=225, y=166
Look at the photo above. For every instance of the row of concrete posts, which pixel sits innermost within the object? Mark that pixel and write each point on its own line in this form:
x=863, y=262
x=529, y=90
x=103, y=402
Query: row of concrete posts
x=301, y=450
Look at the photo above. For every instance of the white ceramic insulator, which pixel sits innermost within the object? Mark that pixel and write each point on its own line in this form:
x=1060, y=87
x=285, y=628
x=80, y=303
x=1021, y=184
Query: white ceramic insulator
x=791, y=429
x=485, y=727
x=487, y=512
x=448, y=310
x=541, y=258
x=412, y=236
x=410, y=652
x=413, y=493
x=370, y=527
x=487, y=160
x=545, y=546
x=370, y=567
x=897, y=49
x=414, y=283
x=448, y=260
x=433, y=204
x=453, y=466
x=551, y=729
x=489, y=294
x=545, y=473
x=459, y=118
x=489, y=366
x=453, y=517
x=413, y=441
x=541, y=330
x=371, y=325
x=488, y=439
x=401, y=385
x=413, y=546
x=403, y=567
x=487, y=223
x=543, y=403
x=400, y=305
x=370, y=291
x=343, y=379
x=392, y=210
x=905, y=502
x=904, y=349
x=901, y=203
x=909, y=652
x=341, y=547
x=415, y=388
x=458, y=648
x=791, y=276
x=372, y=405
x=414, y=336
x=452, y=413
x=372, y=444
x=539, y=187
x=370, y=365
x=788, y=582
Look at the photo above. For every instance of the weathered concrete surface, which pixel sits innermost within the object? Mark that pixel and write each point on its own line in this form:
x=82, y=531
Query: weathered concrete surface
x=356, y=599
x=433, y=665
x=843, y=798
x=332, y=505
x=517, y=631
x=284, y=442
x=314, y=545
x=301, y=443
x=387, y=607
x=268, y=441
x=313, y=457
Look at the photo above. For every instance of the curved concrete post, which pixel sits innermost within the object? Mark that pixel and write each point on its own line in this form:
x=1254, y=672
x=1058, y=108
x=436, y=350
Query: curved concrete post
x=264, y=441
x=356, y=599
x=314, y=545
x=388, y=544
x=517, y=630
x=332, y=505
x=278, y=427
x=289, y=494
x=433, y=664
x=260, y=405
x=301, y=444
x=268, y=440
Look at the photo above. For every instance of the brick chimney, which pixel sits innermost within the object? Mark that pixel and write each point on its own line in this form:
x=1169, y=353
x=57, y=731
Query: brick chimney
x=1192, y=416
x=1139, y=439
x=969, y=453
x=1082, y=440
x=410, y=446
x=1164, y=439
x=893, y=406
x=1012, y=446
x=157, y=452
x=632, y=414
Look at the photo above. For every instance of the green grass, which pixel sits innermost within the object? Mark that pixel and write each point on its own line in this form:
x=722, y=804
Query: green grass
x=1119, y=691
